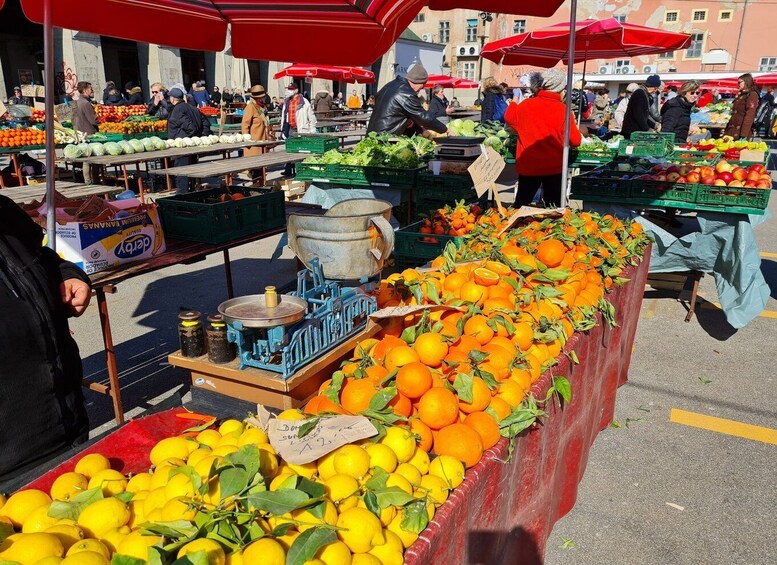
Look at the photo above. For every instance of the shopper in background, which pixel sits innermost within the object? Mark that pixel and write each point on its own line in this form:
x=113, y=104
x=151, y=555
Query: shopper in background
x=716, y=97
x=455, y=104
x=215, y=96
x=184, y=121
x=84, y=117
x=439, y=106
x=274, y=104
x=297, y=117
x=256, y=124
x=17, y=99
x=371, y=103
x=616, y=123
x=339, y=101
x=494, y=102
x=540, y=148
x=578, y=101
x=134, y=95
x=705, y=98
x=237, y=97
x=601, y=104
x=109, y=86
x=638, y=116
x=323, y=101
x=227, y=97
x=159, y=105
x=676, y=113
x=354, y=102
x=200, y=94
x=743, y=110
x=671, y=92
x=112, y=96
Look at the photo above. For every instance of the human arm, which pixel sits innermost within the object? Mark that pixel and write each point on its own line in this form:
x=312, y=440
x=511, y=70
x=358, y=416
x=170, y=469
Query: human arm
x=91, y=116
x=511, y=115
x=248, y=116
x=669, y=117
x=412, y=108
x=750, y=110
x=575, y=137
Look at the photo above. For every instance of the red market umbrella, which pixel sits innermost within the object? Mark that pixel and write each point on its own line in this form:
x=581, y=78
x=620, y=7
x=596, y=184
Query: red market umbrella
x=541, y=8
x=466, y=83
x=443, y=80
x=339, y=74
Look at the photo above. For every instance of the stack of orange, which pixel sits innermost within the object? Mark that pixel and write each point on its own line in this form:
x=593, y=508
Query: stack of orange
x=22, y=137
x=452, y=220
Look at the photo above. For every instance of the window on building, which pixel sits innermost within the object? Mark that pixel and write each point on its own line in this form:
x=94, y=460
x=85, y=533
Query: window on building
x=467, y=71
x=697, y=44
x=419, y=18
x=472, y=30
x=699, y=15
x=445, y=31
x=768, y=64
x=519, y=26
x=725, y=16
x=622, y=63
x=672, y=16
x=667, y=55
x=621, y=19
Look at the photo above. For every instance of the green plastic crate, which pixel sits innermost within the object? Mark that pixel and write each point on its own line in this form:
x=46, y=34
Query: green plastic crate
x=424, y=207
x=756, y=198
x=663, y=190
x=444, y=187
x=356, y=175
x=643, y=148
x=199, y=216
x=598, y=183
x=693, y=156
x=658, y=203
x=311, y=144
x=587, y=158
x=652, y=136
x=411, y=245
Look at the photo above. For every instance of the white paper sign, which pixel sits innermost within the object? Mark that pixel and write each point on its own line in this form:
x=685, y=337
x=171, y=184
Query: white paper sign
x=485, y=170
x=328, y=435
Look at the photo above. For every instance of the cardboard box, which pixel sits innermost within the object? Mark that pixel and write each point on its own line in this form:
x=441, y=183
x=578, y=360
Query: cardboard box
x=95, y=246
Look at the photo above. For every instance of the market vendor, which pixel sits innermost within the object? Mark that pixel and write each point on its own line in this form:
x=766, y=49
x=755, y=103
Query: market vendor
x=84, y=117
x=397, y=105
x=17, y=99
x=42, y=410
x=743, y=110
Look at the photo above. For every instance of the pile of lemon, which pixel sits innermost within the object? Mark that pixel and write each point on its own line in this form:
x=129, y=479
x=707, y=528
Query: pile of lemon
x=109, y=526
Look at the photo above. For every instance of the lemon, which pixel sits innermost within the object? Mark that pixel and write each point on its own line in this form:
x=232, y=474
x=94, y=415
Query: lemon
x=307, y=470
x=360, y=529
x=139, y=482
x=224, y=450
x=68, y=534
x=435, y=488
x=136, y=545
x=3, y=499
x=38, y=520
x=198, y=455
x=53, y=560
x=91, y=464
x=231, y=427
x=21, y=505
x=407, y=538
x=235, y=558
x=314, y=562
x=228, y=440
x=365, y=559
x=397, y=480
x=252, y=436
x=330, y=517
x=212, y=549
x=291, y=414
x=161, y=476
x=112, y=538
x=326, y=465
x=340, y=488
x=391, y=552
x=382, y=456
x=154, y=500
x=420, y=461
x=352, y=460
x=30, y=548
x=268, y=462
x=336, y=553
x=86, y=558
x=280, y=479
x=448, y=468
x=209, y=438
x=179, y=485
x=103, y=515
x=401, y=441
x=67, y=485
x=112, y=482
x=171, y=447
x=265, y=551
x=203, y=467
x=90, y=545
x=177, y=509
x=386, y=514
x=408, y=471
x=285, y=540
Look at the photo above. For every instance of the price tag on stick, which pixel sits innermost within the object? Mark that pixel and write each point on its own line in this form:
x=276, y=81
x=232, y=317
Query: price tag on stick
x=485, y=170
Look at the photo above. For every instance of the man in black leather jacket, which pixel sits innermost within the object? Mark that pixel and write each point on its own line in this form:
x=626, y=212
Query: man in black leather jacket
x=397, y=105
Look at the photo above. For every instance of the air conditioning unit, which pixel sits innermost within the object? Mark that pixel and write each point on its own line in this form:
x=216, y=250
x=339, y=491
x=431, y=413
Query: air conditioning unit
x=625, y=70
x=605, y=70
x=472, y=50
x=648, y=69
x=427, y=37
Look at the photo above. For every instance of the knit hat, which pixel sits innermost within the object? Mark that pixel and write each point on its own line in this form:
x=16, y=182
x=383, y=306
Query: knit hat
x=176, y=93
x=417, y=74
x=554, y=80
x=632, y=87
x=129, y=86
x=653, y=81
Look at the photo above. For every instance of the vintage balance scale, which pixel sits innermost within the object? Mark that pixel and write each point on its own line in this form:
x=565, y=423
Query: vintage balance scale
x=278, y=337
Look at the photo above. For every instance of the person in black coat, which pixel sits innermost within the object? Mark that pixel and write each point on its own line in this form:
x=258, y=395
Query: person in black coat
x=638, y=115
x=185, y=121
x=215, y=96
x=492, y=93
x=676, y=112
x=439, y=106
x=227, y=96
x=42, y=409
x=134, y=94
x=159, y=105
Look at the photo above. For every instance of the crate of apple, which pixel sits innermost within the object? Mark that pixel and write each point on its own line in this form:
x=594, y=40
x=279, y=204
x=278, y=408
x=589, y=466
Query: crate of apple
x=722, y=174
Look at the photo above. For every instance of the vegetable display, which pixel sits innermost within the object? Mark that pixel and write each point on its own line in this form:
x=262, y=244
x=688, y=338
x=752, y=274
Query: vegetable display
x=129, y=147
x=118, y=113
x=380, y=150
x=139, y=124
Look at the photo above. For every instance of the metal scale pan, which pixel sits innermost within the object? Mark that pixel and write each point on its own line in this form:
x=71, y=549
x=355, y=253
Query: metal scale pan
x=252, y=311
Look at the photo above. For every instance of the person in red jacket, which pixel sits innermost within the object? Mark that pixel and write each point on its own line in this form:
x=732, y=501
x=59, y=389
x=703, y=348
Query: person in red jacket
x=539, y=122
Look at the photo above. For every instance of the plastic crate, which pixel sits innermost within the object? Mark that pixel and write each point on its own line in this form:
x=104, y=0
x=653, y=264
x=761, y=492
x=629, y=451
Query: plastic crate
x=693, y=156
x=663, y=190
x=199, y=216
x=658, y=147
x=444, y=187
x=356, y=175
x=601, y=185
x=590, y=158
x=424, y=207
x=412, y=245
x=757, y=198
x=311, y=144
x=652, y=136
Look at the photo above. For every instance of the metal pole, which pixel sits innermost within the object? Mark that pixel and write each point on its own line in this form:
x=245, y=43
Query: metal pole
x=567, y=121
x=48, y=81
x=739, y=37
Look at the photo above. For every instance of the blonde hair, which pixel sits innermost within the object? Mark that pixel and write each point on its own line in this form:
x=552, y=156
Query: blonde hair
x=688, y=86
x=489, y=82
x=158, y=85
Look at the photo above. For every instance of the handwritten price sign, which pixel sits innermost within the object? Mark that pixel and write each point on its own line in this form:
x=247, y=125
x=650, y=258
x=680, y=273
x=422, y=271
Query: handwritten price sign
x=328, y=435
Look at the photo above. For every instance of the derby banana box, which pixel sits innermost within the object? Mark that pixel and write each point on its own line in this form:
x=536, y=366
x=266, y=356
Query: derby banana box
x=95, y=246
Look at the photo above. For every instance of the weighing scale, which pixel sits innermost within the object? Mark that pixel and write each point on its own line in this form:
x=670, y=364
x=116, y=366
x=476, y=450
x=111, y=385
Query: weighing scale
x=458, y=148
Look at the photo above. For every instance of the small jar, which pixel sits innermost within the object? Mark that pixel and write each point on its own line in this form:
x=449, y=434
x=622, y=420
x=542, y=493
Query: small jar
x=191, y=334
x=219, y=348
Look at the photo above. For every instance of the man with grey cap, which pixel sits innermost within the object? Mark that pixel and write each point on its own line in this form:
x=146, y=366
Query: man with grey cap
x=184, y=121
x=540, y=150
x=397, y=105
x=616, y=123
x=639, y=114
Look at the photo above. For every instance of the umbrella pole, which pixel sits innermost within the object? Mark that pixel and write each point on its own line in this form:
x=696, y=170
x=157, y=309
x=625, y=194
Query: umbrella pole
x=48, y=80
x=567, y=121
x=585, y=62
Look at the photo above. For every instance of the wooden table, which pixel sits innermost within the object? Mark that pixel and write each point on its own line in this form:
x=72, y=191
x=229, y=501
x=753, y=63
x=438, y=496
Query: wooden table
x=178, y=252
x=363, y=117
x=229, y=167
x=348, y=133
x=24, y=194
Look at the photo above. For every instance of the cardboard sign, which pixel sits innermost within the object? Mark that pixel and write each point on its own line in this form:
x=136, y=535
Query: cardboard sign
x=402, y=311
x=485, y=170
x=28, y=90
x=752, y=155
x=530, y=212
x=40, y=91
x=3, y=109
x=328, y=435
x=39, y=105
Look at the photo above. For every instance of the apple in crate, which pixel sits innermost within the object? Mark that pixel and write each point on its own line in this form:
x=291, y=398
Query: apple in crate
x=750, y=184
x=693, y=177
x=737, y=183
x=672, y=176
x=725, y=176
x=753, y=175
x=723, y=166
x=739, y=173
x=720, y=182
x=764, y=184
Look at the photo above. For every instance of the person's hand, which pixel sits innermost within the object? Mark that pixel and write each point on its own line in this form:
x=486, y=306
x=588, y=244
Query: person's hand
x=75, y=295
x=450, y=110
x=450, y=132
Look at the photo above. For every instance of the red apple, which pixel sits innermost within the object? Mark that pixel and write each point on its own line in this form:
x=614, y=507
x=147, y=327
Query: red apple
x=672, y=176
x=739, y=173
x=720, y=182
x=736, y=183
x=758, y=168
x=661, y=177
x=707, y=171
x=722, y=166
x=766, y=177
x=693, y=177
x=657, y=168
x=681, y=180
x=750, y=184
x=684, y=170
x=672, y=169
x=725, y=176
x=753, y=176
x=763, y=184
x=708, y=180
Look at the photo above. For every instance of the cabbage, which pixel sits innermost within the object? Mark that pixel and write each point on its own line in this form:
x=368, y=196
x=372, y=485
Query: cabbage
x=187, y=141
x=214, y=139
x=169, y=143
x=113, y=148
x=126, y=148
x=160, y=144
x=97, y=149
x=137, y=145
x=493, y=142
x=86, y=151
x=179, y=143
x=148, y=144
x=73, y=151
x=154, y=139
x=196, y=141
x=246, y=137
x=206, y=141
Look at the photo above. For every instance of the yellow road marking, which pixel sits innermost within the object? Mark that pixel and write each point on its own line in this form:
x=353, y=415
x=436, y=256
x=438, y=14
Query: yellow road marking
x=723, y=426
x=716, y=305
x=769, y=255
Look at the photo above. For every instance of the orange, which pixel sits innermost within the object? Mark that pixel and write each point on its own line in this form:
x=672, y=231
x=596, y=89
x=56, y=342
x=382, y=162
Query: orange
x=501, y=407
x=481, y=397
x=522, y=377
x=466, y=343
x=459, y=441
x=498, y=268
x=504, y=343
x=424, y=433
x=554, y=348
x=321, y=403
x=485, y=277
x=414, y=379
x=523, y=336
x=473, y=292
x=511, y=392
x=551, y=252
x=453, y=283
x=449, y=330
x=385, y=345
x=431, y=349
x=364, y=347
x=477, y=327
x=485, y=426
x=438, y=407
x=400, y=356
x=376, y=373
x=401, y=405
x=356, y=394
x=491, y=304
x=534, y=366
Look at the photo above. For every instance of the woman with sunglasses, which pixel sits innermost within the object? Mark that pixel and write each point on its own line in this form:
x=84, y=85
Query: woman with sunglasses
x=676, y=112
x=743, y=110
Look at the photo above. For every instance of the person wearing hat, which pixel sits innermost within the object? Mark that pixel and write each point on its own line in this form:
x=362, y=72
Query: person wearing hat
x=540, y=150
x=297, y=117
x=184, y=121
x=639, y=114
x=255, y=122
x=134, y=96
x=17, y=99
x=397, y=105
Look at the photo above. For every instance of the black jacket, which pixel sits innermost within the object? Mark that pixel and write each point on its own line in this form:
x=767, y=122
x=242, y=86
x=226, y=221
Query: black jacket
x=676, y=118
x=161, y=110
x=437, y=107
x=41, y=402
x=396, y=105
x=184, y=121
x=215, y=98
x=135, y=97
x=228, y=97
x=638, y=117
x=488, y=107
